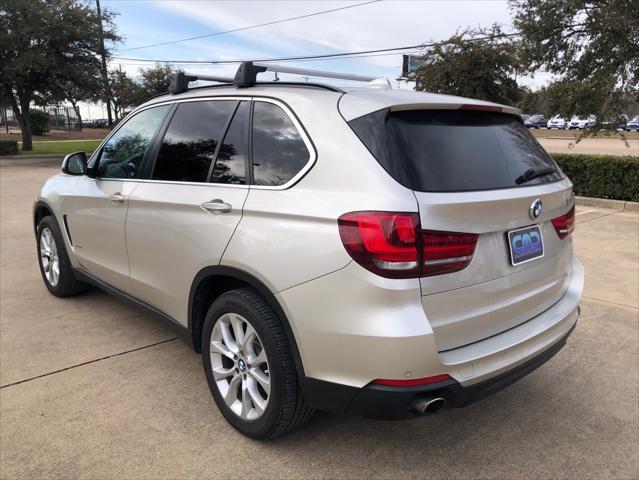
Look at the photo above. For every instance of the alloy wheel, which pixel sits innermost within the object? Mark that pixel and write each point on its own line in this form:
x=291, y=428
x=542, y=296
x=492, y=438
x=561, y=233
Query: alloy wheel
x=49, y=257
x=240, y=367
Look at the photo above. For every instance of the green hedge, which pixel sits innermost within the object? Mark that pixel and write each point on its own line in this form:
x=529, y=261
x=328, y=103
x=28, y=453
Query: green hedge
x=602, y=176
x=8, y=147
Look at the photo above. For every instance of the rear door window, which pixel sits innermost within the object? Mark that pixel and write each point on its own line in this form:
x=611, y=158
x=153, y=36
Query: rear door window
x=279, y=152
x=190, y=143
x=230, y=164
x=453, y=150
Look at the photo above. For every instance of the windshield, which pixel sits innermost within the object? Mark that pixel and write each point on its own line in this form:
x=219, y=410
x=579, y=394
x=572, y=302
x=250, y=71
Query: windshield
x=453, y=150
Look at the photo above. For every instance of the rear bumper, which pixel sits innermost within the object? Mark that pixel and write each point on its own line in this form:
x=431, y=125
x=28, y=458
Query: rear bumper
x=393, y=403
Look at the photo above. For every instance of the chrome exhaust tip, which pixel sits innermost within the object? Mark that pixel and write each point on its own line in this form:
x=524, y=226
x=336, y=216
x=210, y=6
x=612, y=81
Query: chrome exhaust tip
x=427, y=405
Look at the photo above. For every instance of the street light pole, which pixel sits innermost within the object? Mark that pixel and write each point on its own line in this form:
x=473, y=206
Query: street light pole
x=105, y=75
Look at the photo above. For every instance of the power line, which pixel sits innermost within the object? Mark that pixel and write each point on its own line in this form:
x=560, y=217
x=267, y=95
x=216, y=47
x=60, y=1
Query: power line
x=279, y=59
x=316, y=57
x=304, y=59
x=274, y=22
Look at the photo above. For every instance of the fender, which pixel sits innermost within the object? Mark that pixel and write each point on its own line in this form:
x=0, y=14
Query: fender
x=40, y=203
x=263, y=290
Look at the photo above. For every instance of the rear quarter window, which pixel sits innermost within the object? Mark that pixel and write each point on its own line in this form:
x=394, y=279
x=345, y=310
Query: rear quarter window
x=453, y=150
x=279, y=152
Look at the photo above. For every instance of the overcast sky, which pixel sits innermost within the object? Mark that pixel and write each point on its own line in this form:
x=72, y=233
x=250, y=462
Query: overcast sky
x=383, y=24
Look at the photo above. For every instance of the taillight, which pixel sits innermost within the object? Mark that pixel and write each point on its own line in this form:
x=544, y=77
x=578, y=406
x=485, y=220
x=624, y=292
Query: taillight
x=383, y=242
x=393, y=245
x=565, y=224
x=447, y=252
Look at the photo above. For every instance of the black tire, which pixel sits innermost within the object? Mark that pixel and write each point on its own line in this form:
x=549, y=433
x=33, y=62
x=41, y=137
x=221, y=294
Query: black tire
x=66, y=285
x=286, y=409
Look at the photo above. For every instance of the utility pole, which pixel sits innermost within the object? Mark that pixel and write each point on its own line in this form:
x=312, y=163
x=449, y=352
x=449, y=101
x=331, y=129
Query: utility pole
x=105, y=75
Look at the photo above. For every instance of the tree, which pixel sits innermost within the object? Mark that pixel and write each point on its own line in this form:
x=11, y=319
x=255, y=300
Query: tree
x=125, y=93
x=44, y=45
x=85, y=88
x=591, y=46
x=470, y=66
x=155, y=80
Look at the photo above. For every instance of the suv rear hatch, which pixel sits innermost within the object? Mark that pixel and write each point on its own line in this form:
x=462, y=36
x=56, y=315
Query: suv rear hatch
x=467, y=169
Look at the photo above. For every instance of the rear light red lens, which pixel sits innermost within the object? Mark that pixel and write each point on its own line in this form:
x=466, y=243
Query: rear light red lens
x=565, y=224
x=392, y=245
x=411, y=382
x=383, y=242
x=447, y=252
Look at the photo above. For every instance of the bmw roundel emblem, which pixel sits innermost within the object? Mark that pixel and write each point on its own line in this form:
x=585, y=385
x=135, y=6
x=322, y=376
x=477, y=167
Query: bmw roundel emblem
x=535, y=209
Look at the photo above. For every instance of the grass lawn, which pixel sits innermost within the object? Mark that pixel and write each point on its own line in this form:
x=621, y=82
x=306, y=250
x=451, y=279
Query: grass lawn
x=62, y=147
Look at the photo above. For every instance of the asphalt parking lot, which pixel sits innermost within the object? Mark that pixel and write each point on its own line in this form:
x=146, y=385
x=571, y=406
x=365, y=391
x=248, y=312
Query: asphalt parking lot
x=94, y=387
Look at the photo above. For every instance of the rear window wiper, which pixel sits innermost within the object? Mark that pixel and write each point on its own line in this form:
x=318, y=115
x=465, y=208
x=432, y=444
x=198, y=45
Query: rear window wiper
x=533, y=173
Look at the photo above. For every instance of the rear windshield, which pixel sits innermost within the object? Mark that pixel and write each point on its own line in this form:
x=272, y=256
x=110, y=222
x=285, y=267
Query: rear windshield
x=453, y=150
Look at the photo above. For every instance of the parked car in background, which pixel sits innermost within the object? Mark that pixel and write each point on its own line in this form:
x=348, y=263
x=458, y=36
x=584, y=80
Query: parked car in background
x=97, y=123
x=633, y=124
x=524, y=117
x=536, y=121
x=557, y=122
x=615, y=123
x=578, y=123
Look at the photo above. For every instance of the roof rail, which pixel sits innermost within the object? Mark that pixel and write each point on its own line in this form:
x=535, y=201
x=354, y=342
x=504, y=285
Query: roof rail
x=246, y=76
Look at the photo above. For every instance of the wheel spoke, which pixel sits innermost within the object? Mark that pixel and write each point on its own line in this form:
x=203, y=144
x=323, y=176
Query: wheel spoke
x=247, y=403
x=254, y=361
x=217, y=346
x=228, y=338
x=237, y=324
x=221, y=372
x=44, y=240
x=262, y=378
x=231, y=393
x=258, y=402
x=249, y=337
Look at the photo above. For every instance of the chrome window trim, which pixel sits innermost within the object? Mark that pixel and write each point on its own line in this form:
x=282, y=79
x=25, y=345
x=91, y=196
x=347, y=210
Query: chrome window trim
x=301, y=130
x=312, y=153
x=172, y=182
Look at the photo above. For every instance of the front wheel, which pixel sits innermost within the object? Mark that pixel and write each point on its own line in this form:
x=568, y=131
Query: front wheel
x=54, y=262
x=249, y=366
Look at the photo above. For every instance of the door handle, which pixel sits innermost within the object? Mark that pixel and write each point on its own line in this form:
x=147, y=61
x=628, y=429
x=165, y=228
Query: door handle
x=117, y=198
x=216, y=206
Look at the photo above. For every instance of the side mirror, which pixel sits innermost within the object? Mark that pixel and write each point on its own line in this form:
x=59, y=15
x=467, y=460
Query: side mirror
x=75, y=164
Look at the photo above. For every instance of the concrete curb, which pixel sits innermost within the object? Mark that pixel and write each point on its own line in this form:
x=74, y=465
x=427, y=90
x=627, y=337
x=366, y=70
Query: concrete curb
x=619, y=205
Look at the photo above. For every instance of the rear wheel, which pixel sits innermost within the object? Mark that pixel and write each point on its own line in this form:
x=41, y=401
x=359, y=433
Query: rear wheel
x=54, y=262
x=249, y=366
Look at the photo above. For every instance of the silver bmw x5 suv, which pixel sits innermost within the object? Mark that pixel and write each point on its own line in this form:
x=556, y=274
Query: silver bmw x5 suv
x=373, y=252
